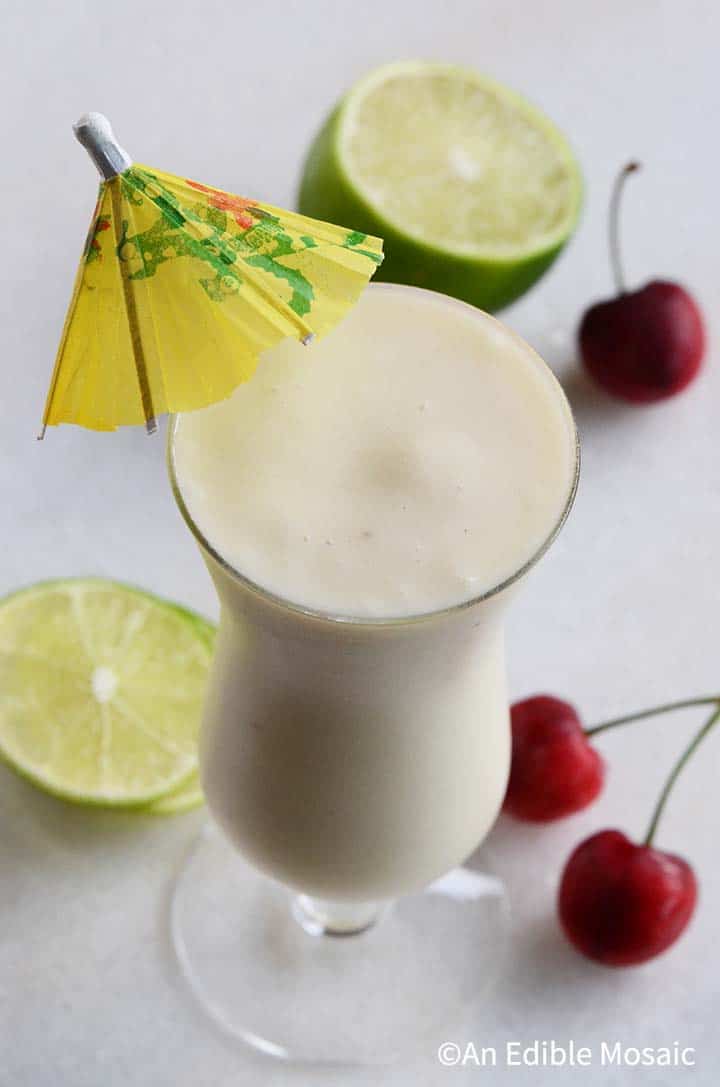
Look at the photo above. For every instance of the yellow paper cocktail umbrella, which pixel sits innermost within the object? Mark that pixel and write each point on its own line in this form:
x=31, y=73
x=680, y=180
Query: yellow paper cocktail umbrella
x=182, y=286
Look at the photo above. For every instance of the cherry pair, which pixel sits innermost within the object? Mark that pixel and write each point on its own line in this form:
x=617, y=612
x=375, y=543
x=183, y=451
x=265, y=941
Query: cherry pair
x=619, y=902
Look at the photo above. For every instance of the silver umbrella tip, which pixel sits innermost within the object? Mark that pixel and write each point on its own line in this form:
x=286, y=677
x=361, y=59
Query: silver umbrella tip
x=94, y=132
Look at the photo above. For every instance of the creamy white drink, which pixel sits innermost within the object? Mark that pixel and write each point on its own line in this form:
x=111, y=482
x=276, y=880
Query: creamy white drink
x=360, y=503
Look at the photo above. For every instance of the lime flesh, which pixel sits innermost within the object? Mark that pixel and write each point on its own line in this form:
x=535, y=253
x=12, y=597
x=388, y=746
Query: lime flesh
x=101, y=689
x=473, y=189
x=190, y=794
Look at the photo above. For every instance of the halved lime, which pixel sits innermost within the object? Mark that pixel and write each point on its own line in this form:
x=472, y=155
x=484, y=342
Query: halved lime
x=101, y=689
x=190, y=794
x=474, y=190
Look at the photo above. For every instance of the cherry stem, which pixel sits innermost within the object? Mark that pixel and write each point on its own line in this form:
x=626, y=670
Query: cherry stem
x=614, y=225
x=667, y=707
x=675, y=772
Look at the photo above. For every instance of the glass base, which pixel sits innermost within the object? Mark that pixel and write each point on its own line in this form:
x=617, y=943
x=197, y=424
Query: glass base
x=271, y=970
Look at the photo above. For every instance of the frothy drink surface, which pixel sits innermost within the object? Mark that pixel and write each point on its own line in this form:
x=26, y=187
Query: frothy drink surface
x=415, y=458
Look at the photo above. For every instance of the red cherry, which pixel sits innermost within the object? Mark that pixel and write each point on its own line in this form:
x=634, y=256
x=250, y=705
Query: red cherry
x=554, y=770
x=620, y=903
x=642, y=345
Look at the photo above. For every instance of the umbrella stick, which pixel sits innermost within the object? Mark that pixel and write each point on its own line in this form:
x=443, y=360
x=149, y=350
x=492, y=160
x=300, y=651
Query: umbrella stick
x=132, y=316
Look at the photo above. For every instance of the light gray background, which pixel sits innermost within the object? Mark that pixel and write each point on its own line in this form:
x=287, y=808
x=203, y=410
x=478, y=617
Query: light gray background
x=623, y=613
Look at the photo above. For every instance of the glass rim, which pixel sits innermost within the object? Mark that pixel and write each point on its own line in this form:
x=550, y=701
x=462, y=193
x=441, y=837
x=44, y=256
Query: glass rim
x=356, y=621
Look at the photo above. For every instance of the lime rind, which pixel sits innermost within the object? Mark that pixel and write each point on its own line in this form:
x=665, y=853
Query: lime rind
x=187, y=798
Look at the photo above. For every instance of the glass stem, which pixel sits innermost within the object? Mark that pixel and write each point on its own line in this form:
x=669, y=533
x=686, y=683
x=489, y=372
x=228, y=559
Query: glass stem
x=323, y=917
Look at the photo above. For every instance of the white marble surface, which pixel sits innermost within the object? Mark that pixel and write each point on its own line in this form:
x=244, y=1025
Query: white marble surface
x=625, y=611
